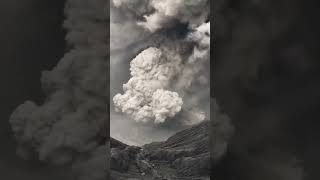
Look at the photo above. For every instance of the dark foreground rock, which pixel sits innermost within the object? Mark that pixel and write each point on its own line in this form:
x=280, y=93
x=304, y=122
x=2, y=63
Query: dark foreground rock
x=184, y=156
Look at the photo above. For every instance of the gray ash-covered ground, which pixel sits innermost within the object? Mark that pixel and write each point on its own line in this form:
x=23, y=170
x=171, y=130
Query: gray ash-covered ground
x=184, y=156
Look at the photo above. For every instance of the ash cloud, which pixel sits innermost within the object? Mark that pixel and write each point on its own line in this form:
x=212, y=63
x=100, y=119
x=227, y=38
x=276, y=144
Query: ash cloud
x=70, y=126
x=168, y=57
x=166, y=12
x=266, y=79
x=155, y=15
x=145, y=96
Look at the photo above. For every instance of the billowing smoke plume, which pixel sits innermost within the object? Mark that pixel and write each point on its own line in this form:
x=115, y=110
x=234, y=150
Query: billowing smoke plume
x=70, y=126
x=158, y=14
x=165, y=77
x=145, y=97
x=255, y=84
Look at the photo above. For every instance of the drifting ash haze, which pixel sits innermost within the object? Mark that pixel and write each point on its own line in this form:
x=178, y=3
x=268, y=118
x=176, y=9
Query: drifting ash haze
x=161, y=48
x=70, y=126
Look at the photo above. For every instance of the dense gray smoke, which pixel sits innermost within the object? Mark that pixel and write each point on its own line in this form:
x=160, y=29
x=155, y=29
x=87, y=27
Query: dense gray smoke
x=266, y=79
x=222, y=130
x=161, y=14
x=145, y=98
x=70, y=126
x=166, y=49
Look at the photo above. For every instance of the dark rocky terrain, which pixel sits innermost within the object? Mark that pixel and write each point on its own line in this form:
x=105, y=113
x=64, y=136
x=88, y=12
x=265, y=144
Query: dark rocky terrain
x=183, y=156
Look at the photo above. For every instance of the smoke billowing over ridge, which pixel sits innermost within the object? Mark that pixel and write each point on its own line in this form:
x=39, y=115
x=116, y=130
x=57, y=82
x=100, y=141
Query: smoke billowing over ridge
x=168, y=85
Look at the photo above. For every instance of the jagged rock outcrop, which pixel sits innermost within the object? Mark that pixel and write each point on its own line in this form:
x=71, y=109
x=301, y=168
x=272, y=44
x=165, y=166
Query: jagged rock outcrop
x=185, y=155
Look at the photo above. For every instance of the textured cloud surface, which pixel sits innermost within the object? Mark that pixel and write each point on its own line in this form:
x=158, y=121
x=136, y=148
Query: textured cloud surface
x=145, y=97
x=70, y=126
x=167, y=11
x=161, y=49
x=159, y=14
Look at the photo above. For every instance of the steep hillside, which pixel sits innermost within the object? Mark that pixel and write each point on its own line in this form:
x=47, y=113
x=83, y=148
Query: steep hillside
x=185, y=155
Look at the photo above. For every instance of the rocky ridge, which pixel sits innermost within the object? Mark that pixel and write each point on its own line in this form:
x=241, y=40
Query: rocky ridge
x=183, y=156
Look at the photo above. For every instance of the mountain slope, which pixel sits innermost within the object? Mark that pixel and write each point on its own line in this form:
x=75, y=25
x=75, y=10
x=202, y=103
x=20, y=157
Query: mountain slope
x=183, y=156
